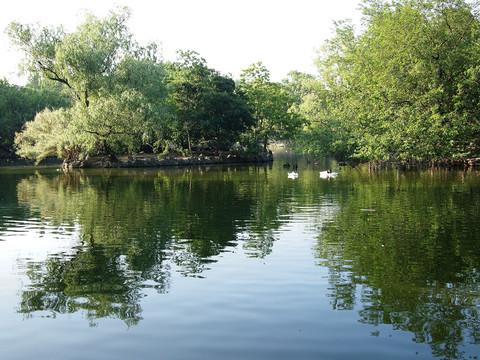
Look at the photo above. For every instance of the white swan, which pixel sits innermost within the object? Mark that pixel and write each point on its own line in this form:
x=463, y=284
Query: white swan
x=328, y=174
x=293, y=175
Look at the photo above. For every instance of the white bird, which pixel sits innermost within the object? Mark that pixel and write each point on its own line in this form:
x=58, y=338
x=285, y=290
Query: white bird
x=293, y=175
x=328, y=174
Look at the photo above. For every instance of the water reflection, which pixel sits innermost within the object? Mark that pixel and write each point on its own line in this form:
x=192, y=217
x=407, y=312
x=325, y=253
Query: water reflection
x=133, y=227
x=414, y=263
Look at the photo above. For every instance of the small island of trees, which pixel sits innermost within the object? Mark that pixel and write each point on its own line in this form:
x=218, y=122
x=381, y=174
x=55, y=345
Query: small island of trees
x=403, y=87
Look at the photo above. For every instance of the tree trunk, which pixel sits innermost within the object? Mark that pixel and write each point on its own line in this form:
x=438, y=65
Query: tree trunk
x=189, y=142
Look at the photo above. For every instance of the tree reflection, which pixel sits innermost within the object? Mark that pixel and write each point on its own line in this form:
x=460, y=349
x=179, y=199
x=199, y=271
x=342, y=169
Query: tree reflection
x=133, y=227
x=414, y=262
x=90, y=281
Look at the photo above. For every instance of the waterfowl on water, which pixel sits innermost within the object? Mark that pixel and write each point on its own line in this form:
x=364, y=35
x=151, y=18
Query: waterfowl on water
x=328, y=174
x=287, y=166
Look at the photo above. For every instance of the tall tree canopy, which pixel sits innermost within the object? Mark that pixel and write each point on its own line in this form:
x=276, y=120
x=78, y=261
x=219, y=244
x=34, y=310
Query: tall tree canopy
x=125, y=98
x=407, y=86
x=270, y=105
x=324, y=134
x=82, y=60
x=118, y=86
x=207, y=107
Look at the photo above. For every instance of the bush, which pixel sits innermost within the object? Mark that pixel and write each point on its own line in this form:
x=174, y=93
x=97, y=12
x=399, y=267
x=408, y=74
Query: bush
x=40, y=137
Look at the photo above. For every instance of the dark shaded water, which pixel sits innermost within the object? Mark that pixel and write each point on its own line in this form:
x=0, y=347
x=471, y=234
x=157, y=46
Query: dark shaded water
x=239, y=262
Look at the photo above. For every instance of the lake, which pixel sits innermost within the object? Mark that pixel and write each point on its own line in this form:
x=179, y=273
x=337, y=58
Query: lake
x=239, y=262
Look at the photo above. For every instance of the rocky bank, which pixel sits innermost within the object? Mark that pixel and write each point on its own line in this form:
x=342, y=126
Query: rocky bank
x=152, y=161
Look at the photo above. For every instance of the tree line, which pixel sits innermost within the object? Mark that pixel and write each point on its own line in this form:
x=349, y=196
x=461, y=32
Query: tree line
x=124, y=98
x=403, y=86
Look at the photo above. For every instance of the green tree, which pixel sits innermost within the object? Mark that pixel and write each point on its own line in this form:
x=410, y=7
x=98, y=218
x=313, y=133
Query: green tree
x=19, y=104
x=83, y=60
x=145, y=76
x=270, y=105
x=226, y=113
x=208, y=110
x=48, y=135
x=131, y=113
x=404, y=87
x=118, y=85
x=188, y=81
x=299, y=85
x=323, y=134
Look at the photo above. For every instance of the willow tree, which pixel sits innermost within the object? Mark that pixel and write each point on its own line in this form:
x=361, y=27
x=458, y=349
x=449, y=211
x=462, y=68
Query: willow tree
x=19, y=104
x=111, y=78
x=407, y=86
x=82, y=60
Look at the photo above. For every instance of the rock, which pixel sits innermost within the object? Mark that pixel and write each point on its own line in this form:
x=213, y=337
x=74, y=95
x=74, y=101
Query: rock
x=138, y=162
x=474, y=162
x=153, y=161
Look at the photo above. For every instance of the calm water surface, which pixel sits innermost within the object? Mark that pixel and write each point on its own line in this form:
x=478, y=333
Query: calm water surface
x=239, y=262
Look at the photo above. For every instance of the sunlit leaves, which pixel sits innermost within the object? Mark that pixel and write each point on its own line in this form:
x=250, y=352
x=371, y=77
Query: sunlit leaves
x=119, y=87
x=270, y=105
x=82, y=60
x=323, y=134
x=39, y=46
x=404, y=87
x=127, y=99
x=41, y=137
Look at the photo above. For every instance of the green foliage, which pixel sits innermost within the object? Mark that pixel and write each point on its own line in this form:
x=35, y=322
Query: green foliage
x=207, y=108
x=227, y=113
x=41, y=137
x=20, y=104
x=270, y=105
x=140, y=84
x=299, y=85
x=403, y=89
x=323, y=134
x=82, y=60
x=125, y=99
x=118, y=86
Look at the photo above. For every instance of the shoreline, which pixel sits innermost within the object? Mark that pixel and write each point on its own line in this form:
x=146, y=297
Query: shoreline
x=463, y=163
x=153, y=161
x=143, y=160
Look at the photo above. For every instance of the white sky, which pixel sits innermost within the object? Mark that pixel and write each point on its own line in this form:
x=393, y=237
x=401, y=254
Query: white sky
x=230, y=34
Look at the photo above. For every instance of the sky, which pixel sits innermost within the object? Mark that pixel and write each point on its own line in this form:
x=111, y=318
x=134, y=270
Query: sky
x=229, y=34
